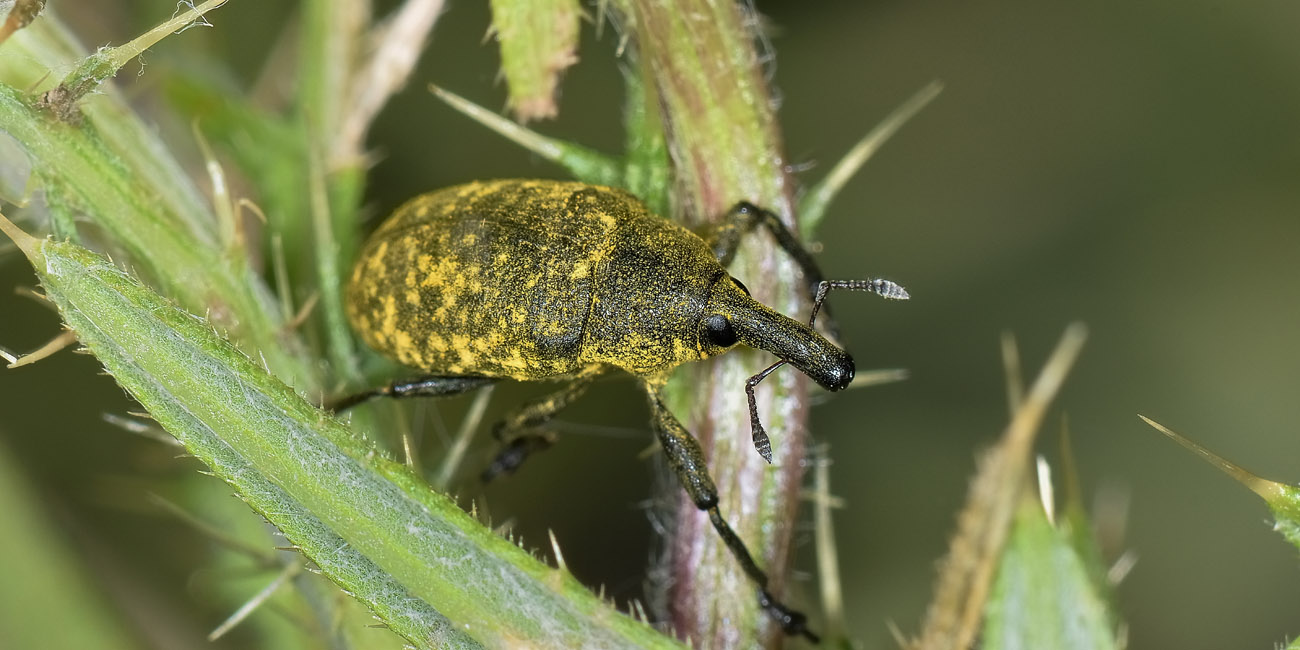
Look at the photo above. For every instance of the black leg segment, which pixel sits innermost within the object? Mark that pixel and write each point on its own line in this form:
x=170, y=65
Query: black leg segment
x=521, y=433
x=431, y=386
x=744, y=217
x=687, y=462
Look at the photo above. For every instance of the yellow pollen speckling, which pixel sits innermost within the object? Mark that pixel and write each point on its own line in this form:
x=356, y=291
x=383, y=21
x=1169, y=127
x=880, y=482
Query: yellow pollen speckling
x=466, y=357
x=390, y=314
x=437, y=342
x=402, y=341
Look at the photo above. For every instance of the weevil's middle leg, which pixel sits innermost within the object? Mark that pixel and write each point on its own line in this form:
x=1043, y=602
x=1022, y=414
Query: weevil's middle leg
x=430, y=386
x=687, y=461
x=520, y=433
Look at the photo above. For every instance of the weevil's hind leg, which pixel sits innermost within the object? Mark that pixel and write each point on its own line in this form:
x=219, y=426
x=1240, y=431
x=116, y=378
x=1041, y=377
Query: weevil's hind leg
x=521, y=434
x=430, y=386
x=744, y=217
x=687, y=461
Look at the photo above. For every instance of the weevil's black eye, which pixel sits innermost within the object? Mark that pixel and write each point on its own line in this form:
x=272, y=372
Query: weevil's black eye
x=719, y=331
x=742, y=287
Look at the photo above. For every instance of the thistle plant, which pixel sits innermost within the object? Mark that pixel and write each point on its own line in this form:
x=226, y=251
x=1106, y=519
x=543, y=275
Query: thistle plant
x=219, y=310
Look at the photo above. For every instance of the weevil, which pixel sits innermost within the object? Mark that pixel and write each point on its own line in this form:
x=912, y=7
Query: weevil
x=537, y=279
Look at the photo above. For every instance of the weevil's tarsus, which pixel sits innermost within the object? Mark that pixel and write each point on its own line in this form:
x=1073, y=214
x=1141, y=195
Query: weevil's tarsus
x=792, y=622
x=523, y=432
x=514, y=451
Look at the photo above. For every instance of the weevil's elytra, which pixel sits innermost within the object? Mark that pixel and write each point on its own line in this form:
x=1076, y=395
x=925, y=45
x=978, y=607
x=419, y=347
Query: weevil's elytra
x=531, y=279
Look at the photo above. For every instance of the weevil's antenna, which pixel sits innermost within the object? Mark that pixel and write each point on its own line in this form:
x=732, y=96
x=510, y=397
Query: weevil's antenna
x=879, y=286
x=761, y=442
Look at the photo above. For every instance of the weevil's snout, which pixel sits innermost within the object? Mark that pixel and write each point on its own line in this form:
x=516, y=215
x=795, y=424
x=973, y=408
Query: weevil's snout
x=749, y=322
x=832, y=368
x=799, y=345
x=839, y=373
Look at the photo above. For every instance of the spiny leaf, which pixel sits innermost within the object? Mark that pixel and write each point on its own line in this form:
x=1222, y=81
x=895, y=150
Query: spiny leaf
x=539, y=41
x=1282, y=499
x=367, y=521
x=102, y=65
x=1043, y=596
x=813, y=205
x=585, y=164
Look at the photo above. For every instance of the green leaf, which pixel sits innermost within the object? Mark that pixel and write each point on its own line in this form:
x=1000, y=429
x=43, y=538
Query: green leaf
x=813, y=205
x=110, y=179
x=1044, y=595
x=539, y=41
x=586, y=165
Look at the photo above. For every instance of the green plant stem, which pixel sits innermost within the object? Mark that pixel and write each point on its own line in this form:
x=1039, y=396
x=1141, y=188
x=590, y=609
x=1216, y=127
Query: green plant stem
x=722, y=136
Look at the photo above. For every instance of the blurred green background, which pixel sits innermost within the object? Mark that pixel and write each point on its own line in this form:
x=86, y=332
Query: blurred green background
x=1133, y=166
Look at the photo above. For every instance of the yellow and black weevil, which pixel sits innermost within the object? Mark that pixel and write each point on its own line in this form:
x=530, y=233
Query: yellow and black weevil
x=535, y=279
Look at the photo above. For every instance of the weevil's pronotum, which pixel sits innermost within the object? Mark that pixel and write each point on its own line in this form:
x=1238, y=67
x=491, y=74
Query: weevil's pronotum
x=532, y=279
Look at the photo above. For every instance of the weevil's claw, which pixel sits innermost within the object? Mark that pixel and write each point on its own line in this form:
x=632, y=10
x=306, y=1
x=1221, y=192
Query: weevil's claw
x=791, y=622
x=512, y=455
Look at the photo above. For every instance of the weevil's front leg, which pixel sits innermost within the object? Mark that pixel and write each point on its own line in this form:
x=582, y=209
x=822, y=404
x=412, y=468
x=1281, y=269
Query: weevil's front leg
x=744, y=217
x=687, y=461
x=430, y=386
x=520, y=432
